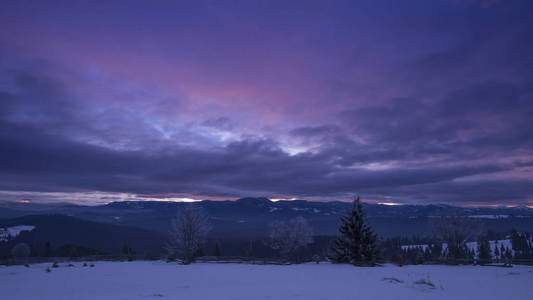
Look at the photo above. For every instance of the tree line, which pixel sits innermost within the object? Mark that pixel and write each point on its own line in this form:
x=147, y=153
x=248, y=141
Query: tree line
x=357, y=243
x=293, y=241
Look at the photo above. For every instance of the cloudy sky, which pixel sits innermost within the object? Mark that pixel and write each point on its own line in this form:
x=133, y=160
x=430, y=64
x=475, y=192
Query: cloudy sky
x=400, y=101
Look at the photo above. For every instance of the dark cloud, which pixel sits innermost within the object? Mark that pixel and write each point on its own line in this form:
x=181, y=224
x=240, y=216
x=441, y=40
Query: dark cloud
x=311, y=131
x=224, y=123
x=432, y=103
x=247, y=167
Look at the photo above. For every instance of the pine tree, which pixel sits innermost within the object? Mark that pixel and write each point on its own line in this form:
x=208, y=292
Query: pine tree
x=47, y=249
x=356, y=243
x=217, y=249
x=483, y=250
x=125, y=249
x=517, y=243
x=508, y=254
x=436, y=251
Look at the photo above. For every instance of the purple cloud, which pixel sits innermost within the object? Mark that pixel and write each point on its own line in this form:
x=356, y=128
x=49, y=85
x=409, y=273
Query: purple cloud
x=422, y=102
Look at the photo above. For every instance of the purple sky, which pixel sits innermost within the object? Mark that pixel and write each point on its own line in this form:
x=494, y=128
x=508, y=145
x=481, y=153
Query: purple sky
x=399, y=101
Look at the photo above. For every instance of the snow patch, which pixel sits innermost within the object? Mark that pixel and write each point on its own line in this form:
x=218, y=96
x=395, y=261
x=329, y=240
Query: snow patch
x=471, y=245
x=489, y=216
x=298, y=209
x=13, y=231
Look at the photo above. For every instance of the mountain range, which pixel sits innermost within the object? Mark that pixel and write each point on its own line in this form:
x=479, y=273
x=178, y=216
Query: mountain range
x=243, y=219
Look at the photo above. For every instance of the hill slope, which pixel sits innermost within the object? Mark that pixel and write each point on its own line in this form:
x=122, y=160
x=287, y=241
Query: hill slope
x=62, y=230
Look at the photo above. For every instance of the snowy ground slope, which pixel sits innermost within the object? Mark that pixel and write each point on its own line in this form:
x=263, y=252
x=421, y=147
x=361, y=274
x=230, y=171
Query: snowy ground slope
x=13, y=231
x=159, y=280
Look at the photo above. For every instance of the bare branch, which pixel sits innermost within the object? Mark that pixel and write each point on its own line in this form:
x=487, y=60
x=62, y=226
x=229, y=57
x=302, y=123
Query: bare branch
x=187, y=233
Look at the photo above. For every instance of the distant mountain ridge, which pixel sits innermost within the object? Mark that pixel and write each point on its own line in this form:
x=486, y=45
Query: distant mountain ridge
x=250, y=217
x=333, y=207
x=17, y=208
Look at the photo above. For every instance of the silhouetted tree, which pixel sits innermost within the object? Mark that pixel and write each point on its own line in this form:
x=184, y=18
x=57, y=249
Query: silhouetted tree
x=187, y=233
x=217, y=249
x=496, y=251
x=484, y=252
x=455, y=231
x=127, y=250
x=356, y=243
x=47, y=249
x=288, y=237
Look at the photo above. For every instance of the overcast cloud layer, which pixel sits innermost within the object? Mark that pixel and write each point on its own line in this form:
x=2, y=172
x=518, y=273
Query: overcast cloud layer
x=412, y=102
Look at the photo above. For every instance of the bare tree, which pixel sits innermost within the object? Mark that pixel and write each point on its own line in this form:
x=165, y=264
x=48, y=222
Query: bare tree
x=455, y=231
x=288, y=237
x=187, y=233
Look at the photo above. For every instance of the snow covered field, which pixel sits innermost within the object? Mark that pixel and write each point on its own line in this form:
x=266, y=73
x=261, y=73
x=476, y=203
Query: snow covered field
x=159, y=280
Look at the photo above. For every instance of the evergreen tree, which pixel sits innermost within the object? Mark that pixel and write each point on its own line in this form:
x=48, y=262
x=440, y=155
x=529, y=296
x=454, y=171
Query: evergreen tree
x=470, y=254
x=47, y=249
x=514, y=239
x=356, y=243
x=217, y=249
x=483, y=250
x=200, y=251
x=456, y=231
x=125, y=249
x=436, y=251
x=508, y=255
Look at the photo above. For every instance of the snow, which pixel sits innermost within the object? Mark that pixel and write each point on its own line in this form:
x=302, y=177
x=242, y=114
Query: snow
x=489, y=216
x=13, y=231
x=423, y=246
x=160, y=280
x=471, y=245
x=314, y=210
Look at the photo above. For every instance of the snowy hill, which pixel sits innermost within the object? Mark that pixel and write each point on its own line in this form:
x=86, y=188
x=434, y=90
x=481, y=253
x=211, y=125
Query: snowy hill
x=60, y=230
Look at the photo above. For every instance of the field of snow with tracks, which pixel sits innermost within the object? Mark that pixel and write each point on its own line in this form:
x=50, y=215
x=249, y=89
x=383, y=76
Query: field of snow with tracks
x=161, y=280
